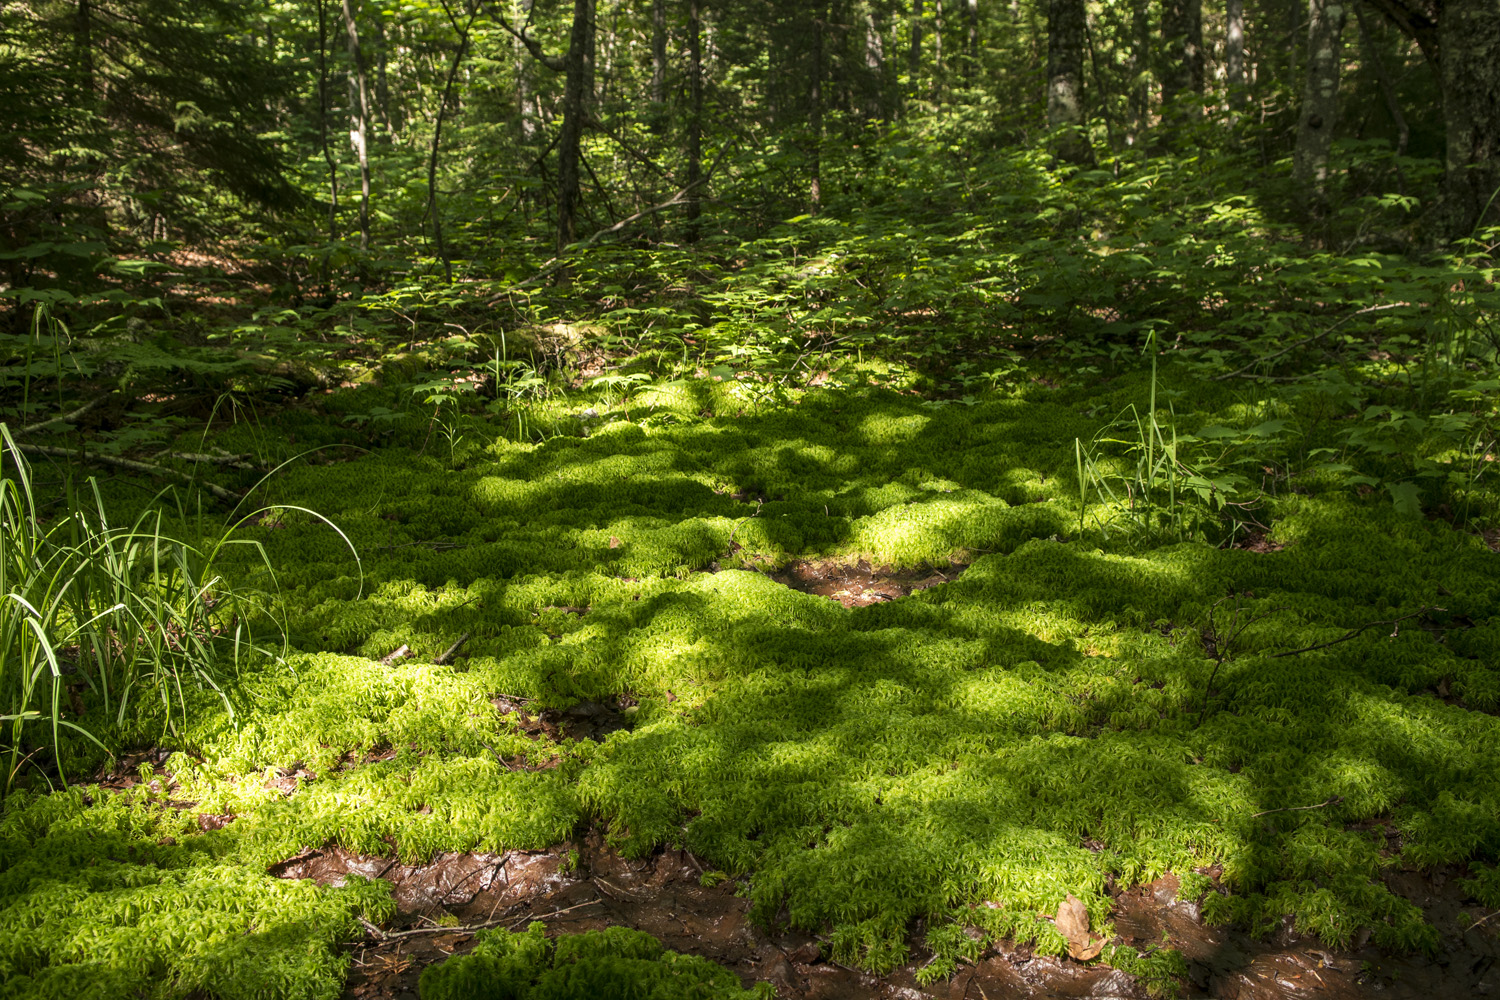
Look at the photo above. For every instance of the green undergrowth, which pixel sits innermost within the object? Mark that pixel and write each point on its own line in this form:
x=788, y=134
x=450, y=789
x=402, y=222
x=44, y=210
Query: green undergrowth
x=956, y=757
x=613, y=964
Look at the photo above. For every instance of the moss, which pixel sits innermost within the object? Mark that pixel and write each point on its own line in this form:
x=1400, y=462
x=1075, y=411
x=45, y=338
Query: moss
x=613, y=964
x=942, y=758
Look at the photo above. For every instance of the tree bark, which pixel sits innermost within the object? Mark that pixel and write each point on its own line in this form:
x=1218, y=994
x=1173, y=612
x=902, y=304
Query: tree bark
x=1066, y=25
x=359, y=134
x=580, y=72
x=1182, y=31
x=695, y=121
x=815, y=113
x=658, y=52
x=1234, y=51
x=437, y=136
x=333, y=171
x=971, y=42
x=914, y=56
x=83, y=46
x=1469, y=47
x=1320, y=103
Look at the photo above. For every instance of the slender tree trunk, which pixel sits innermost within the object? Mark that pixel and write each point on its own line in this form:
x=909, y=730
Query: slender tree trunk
x=914, y=56
x=937, y=46
x=1370, y=50
x=815, y=116
x=359, y=134
x=658, y=52
x=971, y=42
x=83, y=46
x=1182, y=31
x=333, y=170
x=1140, y=62
x=526, y=114
x=1320, y=103
x=1234, y=51
x=875, y=81
x=382, y=92
x=580, y=71
x=437, y=140
x=695, y=121
x=1066, y=24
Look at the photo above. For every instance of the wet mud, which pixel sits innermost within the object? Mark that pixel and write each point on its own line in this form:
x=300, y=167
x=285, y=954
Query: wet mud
x=860, y=584
x=587, y=886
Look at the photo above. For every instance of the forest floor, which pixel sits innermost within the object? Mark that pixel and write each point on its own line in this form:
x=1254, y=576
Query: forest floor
x=850, y=690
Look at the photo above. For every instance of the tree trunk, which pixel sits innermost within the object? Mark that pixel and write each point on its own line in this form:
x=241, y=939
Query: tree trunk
x=1369, y=49
x=875, y=81
x=1234, y=51
x=659, y=53
x=333, y=170
x=359, y=109
x=83, y=46
x=1066, y=24
x=914, y=56
x=1182, y=31
x=580, y=71
x=1469, y=44
x=815, y=114
x=1140, y=62
x=1320, y=103
x=971, y=42
x=695, y=121
x=437, y=139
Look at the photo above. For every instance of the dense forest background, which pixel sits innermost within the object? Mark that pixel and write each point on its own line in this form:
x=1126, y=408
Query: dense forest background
x=431, y=431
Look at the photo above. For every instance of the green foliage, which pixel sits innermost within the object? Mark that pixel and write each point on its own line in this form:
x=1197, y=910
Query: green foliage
x=613, y=964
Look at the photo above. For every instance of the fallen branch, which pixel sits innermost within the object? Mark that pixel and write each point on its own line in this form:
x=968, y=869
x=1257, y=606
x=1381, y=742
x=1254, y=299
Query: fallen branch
x=131, y=465
x=1332, y=800
x=1308, y=340
x=1354, y=632
x=400, y=652
x=233, y=461
x=452, y=651
x=66, y=418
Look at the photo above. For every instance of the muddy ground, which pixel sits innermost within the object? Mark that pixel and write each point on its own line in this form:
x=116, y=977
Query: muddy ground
x=441, y=904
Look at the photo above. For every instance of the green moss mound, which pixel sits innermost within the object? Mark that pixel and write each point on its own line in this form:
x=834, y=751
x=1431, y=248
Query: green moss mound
x=613, y=964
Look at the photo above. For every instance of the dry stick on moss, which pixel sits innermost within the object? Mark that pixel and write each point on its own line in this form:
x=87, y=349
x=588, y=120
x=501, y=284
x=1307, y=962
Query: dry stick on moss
x=452, y=650
x=1354, y=632
x=130, y=464
x=66, y=418
x=400, y=652
x=1332, y=800
x=1308, y=340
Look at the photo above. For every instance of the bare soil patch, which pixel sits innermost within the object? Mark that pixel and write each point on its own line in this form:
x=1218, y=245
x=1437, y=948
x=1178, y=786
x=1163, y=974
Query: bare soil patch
x=587, y=886
x=862, y=584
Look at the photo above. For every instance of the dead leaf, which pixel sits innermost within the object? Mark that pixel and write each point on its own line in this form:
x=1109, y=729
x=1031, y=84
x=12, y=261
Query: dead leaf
x=614, y=542
x=1073, y=923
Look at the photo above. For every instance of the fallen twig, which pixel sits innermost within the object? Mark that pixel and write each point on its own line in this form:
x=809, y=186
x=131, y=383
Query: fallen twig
x=452, y=651
x=1332, y=800
x=1354, y=632
x=1308, y=340
x=66, y=418
x=130, y=464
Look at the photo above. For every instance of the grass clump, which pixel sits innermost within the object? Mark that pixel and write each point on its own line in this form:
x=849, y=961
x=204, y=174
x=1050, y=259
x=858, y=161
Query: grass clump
x=612, y=964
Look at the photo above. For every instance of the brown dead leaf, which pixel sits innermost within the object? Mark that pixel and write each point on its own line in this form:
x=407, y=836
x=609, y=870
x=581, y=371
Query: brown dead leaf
x=614, y=542
x=1073, y=922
